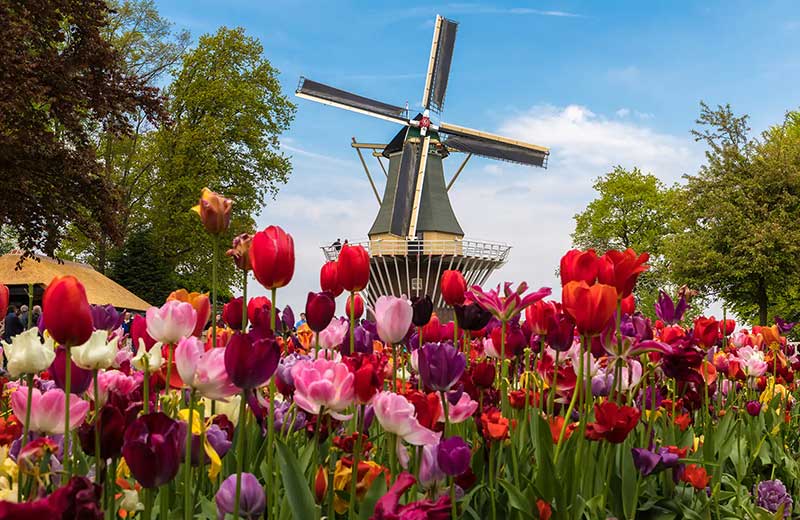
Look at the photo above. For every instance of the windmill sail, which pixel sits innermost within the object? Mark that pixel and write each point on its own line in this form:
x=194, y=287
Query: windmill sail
x=341, y=98
x=404, y=193
x=493, y=146
x=444, y=40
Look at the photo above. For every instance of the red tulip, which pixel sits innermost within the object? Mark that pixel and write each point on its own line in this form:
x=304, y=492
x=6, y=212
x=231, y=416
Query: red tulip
x=258, y=310
x=359, y=308
x=3, y=300
x=453, y=287
x=540, y=314
x=706, y=331
x=320, y=308
x=272, y=257
x=628, y=304
x=612, y=422
x=726, y=327
x=696, y=476
x=579, y=266
x=367, y=375
x=352, y=268
x=329, y=279
x=621, y=269
x=432, y=332
x=139, y=333
x=67, y=314
x=232, y=313
x=591, y=307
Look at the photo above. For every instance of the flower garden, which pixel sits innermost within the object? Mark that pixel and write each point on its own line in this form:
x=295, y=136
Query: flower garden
x=521, y=407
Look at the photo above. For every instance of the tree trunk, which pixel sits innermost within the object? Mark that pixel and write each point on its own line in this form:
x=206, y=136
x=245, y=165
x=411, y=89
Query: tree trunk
x=102, y=250
x=763, y=303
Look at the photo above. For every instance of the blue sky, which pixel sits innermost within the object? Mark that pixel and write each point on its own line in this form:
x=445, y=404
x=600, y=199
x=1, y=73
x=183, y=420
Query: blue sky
x=601, y=83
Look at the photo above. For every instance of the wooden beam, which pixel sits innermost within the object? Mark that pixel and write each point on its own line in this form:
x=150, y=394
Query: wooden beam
x=458, y=172
x=366, y=170
x=385, y=174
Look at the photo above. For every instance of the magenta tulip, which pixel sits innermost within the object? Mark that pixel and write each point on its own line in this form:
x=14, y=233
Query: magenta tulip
x=152, y=449
x=250, y=362
x=320, y=308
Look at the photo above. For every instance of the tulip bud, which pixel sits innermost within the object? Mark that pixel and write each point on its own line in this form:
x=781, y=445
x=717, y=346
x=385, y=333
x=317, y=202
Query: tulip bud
x=453, y=287
x=214, y=211
x=352, y=268
x=393, y=318
x=320, y=308
x=272, y=257
x=359, y=307
x=753, y=408
x=423, y=308
x=67, y=315
x=258, y=310
x=329, y=279
x=240, y=252
x=232, y=313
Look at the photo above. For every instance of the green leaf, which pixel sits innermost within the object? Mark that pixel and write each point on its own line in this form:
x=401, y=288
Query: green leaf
x=516, y=499
x=301, y=501
x=374, y=493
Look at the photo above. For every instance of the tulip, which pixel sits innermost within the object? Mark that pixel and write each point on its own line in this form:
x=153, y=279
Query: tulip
x=334, y=334
x=139, y=335
x=232, y=313
x=649, y=462
x=628, y=304
x=753, y=408
x=621, y=269
x=423, y=309
x=696, y=476
x=4, y=297
x=352, y=268
x=453, y=455
x=367, y=376
x=151, y=447
x=453, y=287
x=397, y=415
x=203, y=371
x=539, y=315
x=149, y=360
x=483, y=374
x=200, y=303
x=26, y=354
x=97, y=353
x=726, y=327
x=343, y=476
x=494, y=427
x=472, y=317
x=387, y=507
x=258, y=311
x=462, y=410
x=561, y=333
x=393, y=317
x=105, y=317
x=111, y=423
x=440, y=366
x=359, y=307
x=66, y=311
x=47, y=409
x=251, y=362
x=79, y=498
x=323, y=384
x=752, y=362
x=432, y=332
x=579, y=266
x=329, y=279
x=612, y=422
x=428, y=408
x=272, y=257
x=240, y=252
x=430, y=474
x=511, y=303
x=320, y=308
x=80, y=378
x=667, y=311
x=591, y=308
x=214, y=211
x=173, y=321
x=706, y=331
x=252, y=501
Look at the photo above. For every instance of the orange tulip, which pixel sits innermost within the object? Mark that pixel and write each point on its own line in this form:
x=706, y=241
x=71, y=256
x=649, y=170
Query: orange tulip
x=199, y=301
x=214, y=211
x=67, y=315
x=591, y=307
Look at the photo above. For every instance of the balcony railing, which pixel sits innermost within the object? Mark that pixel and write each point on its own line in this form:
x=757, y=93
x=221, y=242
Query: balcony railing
x=479, y=249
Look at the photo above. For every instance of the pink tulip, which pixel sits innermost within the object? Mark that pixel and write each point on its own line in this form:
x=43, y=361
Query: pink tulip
x=323, y=383
x=114, y=381
x=47, y=409
x=461, y=411
x=752, y=362
x=173, y=321
x=397, y=415
x=203, y=371
x=333, y=335
x=393, y=317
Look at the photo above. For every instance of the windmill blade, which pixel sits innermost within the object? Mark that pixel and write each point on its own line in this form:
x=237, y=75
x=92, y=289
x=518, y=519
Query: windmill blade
x=444, y=40
x=493, y=146
x=328, y=95
x=404, y=191
x=423, y=161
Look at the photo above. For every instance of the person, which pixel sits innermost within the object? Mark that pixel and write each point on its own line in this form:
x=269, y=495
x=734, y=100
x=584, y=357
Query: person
x=13, y=325
x=337, y=245
x=37, y=313
x=126, y=322
x=301, y=322
x=23, y=316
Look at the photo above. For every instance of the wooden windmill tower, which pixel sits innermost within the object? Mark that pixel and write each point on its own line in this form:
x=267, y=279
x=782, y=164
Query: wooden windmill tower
x=416, y=235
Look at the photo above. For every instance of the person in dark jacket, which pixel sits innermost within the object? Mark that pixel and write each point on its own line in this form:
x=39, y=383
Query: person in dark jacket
x=12, y=324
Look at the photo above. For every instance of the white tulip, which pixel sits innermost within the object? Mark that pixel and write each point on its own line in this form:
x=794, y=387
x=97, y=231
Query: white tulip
x=26, y=354
x=98, y=352
x=152, y=358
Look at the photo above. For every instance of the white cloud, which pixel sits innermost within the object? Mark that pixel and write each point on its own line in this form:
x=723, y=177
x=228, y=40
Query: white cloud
x=623, y=112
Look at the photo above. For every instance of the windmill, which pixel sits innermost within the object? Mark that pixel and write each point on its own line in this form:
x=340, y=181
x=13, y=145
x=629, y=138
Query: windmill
x=415, y=235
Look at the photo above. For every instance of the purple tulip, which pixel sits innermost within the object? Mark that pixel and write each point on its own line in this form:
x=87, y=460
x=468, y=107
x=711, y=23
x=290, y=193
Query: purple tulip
x=250, y=363
x=753, y=408
x=771, y=495
x=365, y=334
x=440, y=366
x=472, y=317
x=152, y=448
x=647, y=461
x=105, y=317
x=80, y=378
x=423, y=309
x=453, y=455
x=287, y=318
x=320, y=308
x=636, y=326
x=667, y=311
x=784, y=326
x=560, y=333
x=252, y=501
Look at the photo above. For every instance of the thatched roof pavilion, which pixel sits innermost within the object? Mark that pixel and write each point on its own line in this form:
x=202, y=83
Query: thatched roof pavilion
x=41, y=270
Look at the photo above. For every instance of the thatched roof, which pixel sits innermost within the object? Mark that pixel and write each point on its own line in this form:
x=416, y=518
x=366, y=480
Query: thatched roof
x=99, y=289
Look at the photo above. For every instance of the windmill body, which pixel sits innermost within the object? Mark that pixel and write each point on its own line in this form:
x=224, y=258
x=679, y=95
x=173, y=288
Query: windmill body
x=415, y=235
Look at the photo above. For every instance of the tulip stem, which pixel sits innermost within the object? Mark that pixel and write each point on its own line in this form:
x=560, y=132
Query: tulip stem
x=187, y=463
x=244, y=303
x=394, y=368
x=96, y=427
x=146, y=385
x=148, y=504
x=503, y=367
x=25, y=428
x=240, y=453
x=67, y=394
x=215, y=249
x=570, y=408
x=356, y=455
x=270, y=488
x=551, y=404
x=352, y=322
x=455, y=330
x=169, y=373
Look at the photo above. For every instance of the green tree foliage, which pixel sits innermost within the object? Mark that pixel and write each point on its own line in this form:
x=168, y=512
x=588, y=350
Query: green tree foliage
x=139, y=267
x=740, y=232
x=632, y=209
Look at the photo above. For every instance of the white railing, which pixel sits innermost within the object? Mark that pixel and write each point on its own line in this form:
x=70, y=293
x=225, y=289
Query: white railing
x=494, y=251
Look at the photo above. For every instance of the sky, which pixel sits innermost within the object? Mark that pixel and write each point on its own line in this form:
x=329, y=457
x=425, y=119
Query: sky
x=600, y=83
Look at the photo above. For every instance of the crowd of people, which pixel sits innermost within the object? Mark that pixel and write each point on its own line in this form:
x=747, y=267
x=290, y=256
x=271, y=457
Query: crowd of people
x=20, y=319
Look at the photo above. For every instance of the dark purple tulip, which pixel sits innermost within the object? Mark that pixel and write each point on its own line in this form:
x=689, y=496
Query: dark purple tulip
x=453, y=456
x=472, y=317
x=667, y=311
x=80, y=378
x=636, y=326
x=112, y=429
x=251, y=363
x=753, y=408
x=365, y=334
x=105, y=317
x=560, y=333
x=252, y=501
x=423, y=309
x=152, y=449
x=320, y=308
x=287, y=318
x=648, y=462
x=784, y=326
x=440, y=366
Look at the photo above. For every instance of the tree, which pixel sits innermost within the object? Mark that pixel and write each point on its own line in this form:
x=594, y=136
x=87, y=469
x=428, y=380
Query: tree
x=139, y=267
x=740, y=227
x=228, y=112
x=632, y=209
x=63, y=82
